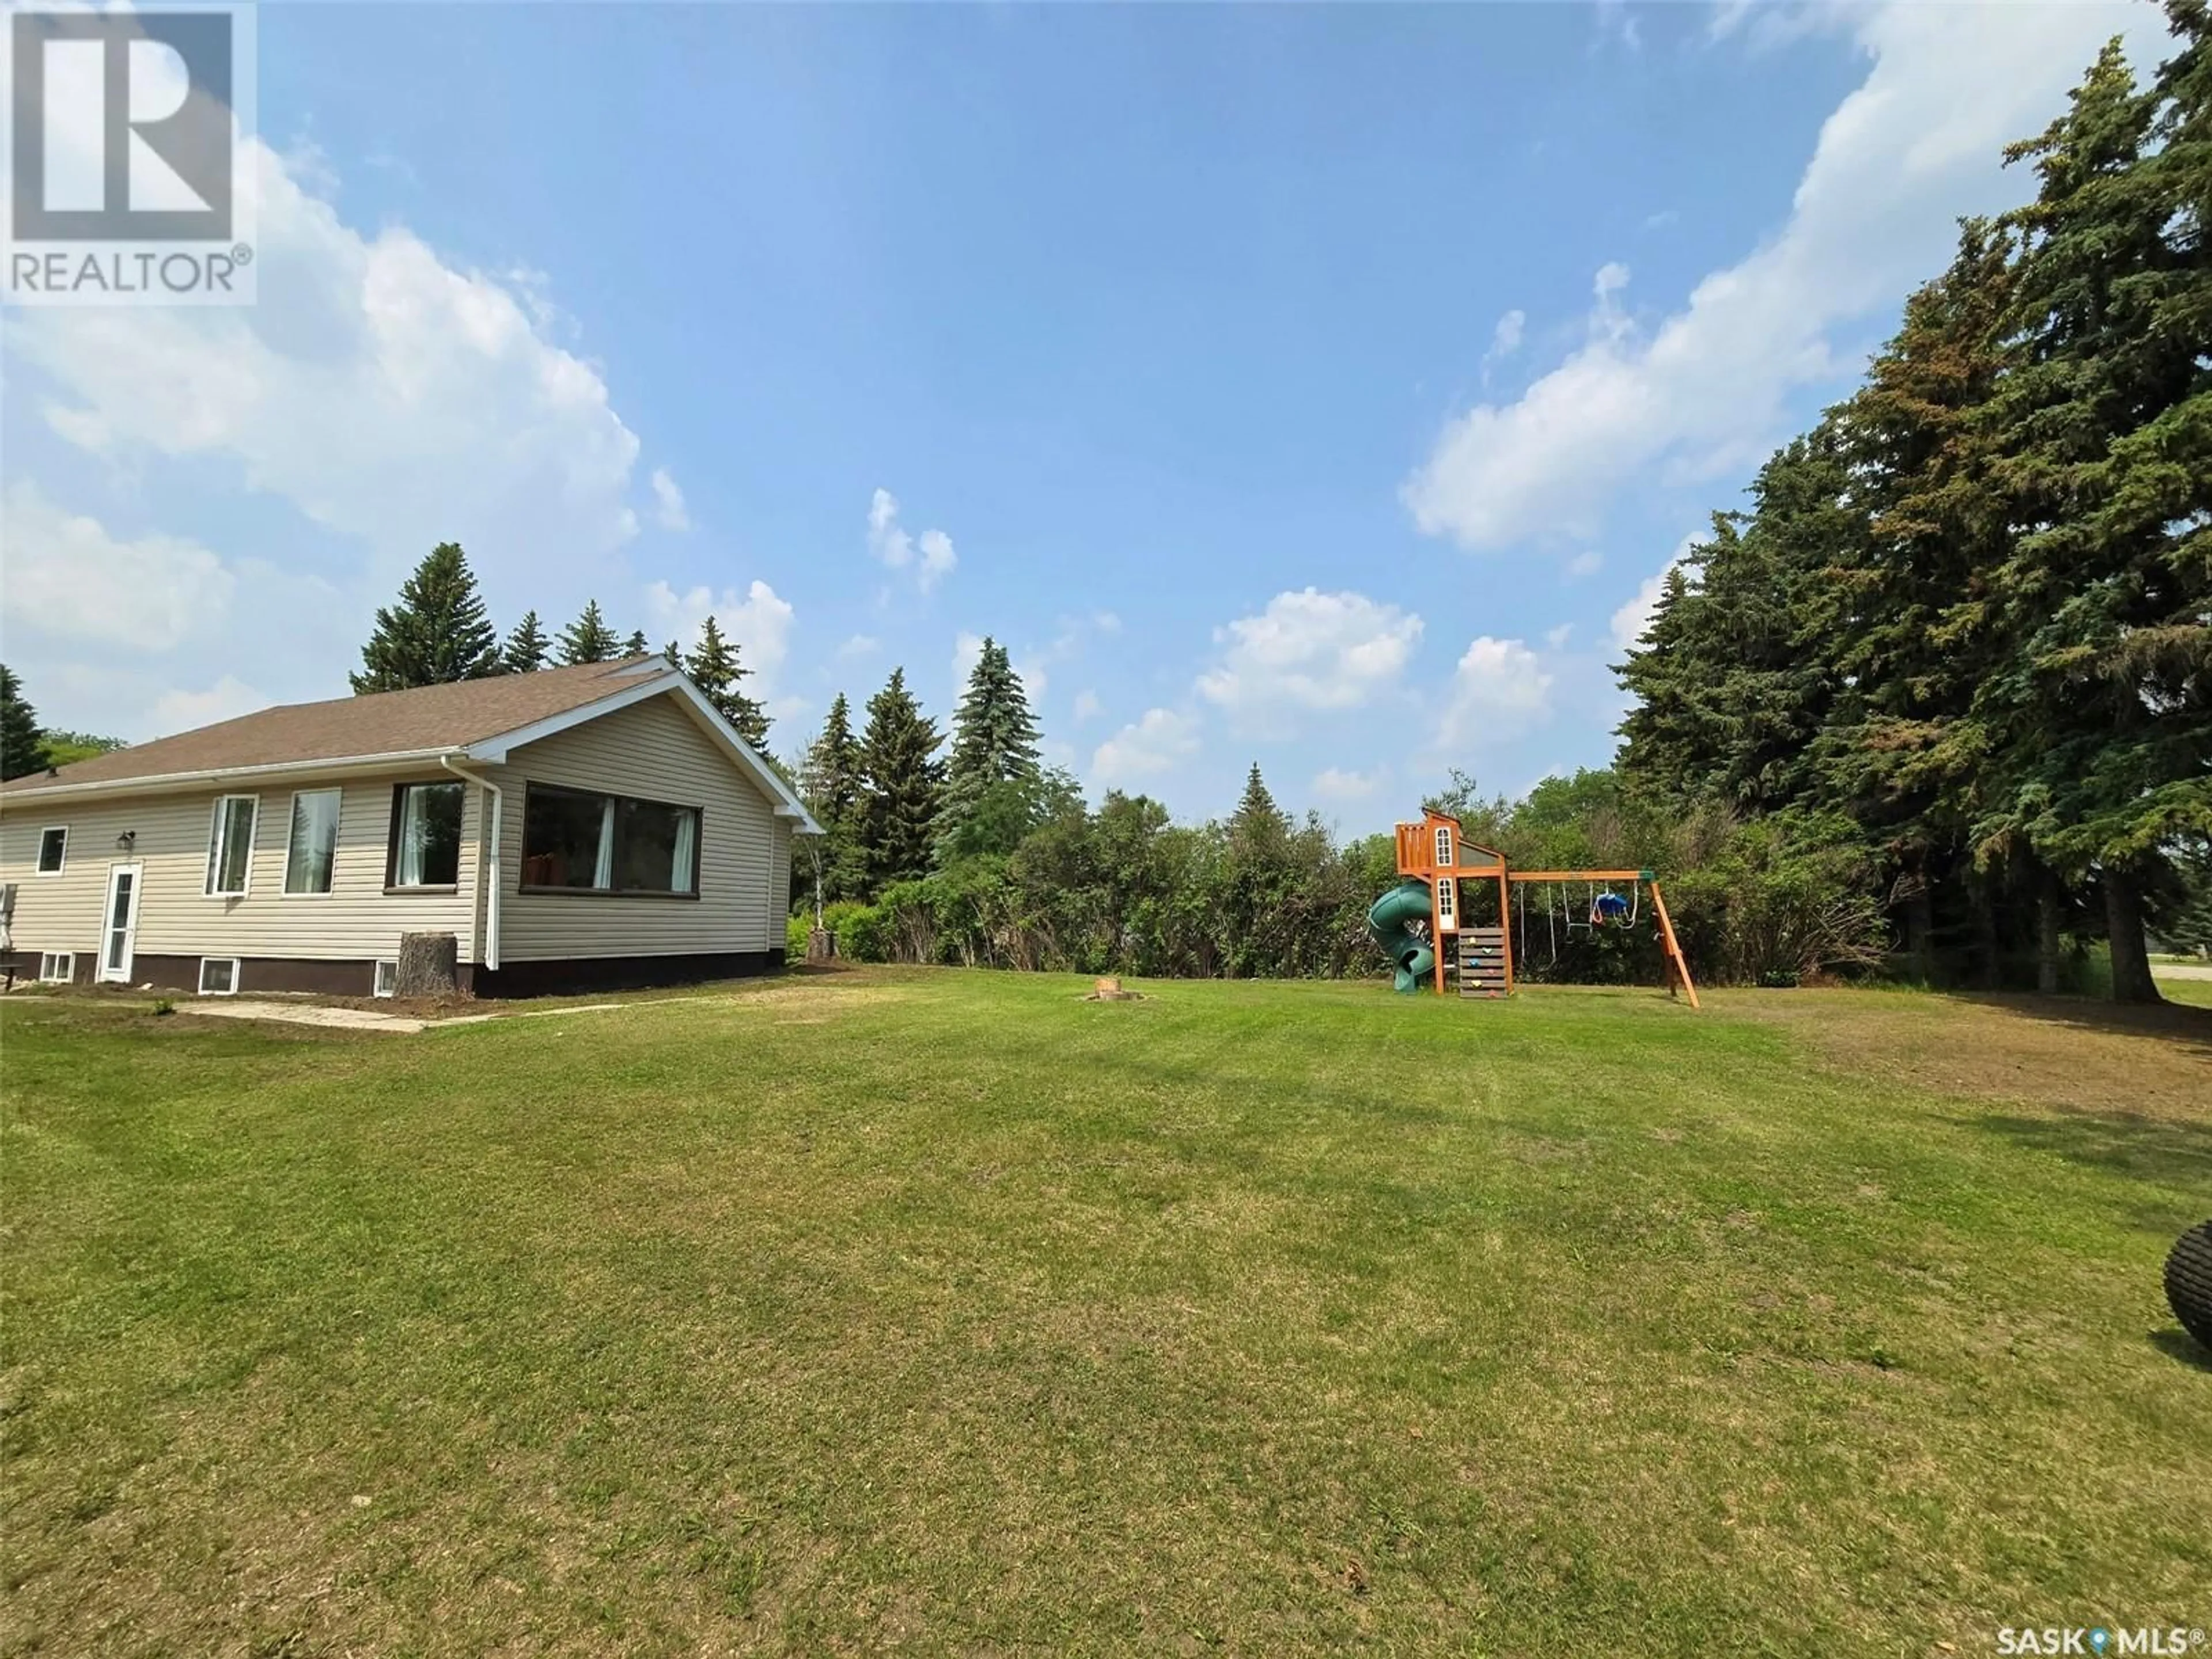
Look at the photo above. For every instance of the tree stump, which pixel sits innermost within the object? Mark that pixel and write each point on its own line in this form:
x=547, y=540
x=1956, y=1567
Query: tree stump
x=1106, y=988
x=821, y=944
x=429, y=966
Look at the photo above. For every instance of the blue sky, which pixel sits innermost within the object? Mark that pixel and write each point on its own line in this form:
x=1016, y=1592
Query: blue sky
x=1323, y=385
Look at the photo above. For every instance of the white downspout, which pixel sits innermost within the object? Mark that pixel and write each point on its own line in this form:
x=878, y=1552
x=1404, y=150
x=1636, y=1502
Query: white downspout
x=490, y=951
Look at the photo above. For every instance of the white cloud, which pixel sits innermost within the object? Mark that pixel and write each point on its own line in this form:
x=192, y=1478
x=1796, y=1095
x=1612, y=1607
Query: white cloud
x=669, y=511
x=67, y=577
x=1915, y=146
x=938, y=558
x=1106, y=622
x=1504, y=340
x=1336, y=784
x=1308, y=651
x=860, y=645
x=1086, y=705
x=1151, y=746
x=1634, y=616
x=1557, y=638
x=1585, y=564
x=931, y=556
x=227, y=699
x=759, y=622
x=1500, y=690
x=384, y=393
x=388, y=398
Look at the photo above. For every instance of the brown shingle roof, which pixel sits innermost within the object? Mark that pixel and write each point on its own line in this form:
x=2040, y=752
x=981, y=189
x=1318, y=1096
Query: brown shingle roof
x=381, y=723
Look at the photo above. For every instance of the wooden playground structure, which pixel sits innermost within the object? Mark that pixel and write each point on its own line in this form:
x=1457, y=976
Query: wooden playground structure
x=1434, y=852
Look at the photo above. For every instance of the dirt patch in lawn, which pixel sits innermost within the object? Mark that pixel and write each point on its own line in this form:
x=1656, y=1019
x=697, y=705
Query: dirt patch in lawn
x=2046, y=1051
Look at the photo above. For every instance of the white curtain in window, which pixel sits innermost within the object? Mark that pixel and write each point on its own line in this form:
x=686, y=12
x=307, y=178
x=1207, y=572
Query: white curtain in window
x=414, y=837
x=603, y=872
x=687, y=849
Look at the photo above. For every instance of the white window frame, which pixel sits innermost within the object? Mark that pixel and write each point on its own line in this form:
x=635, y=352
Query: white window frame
x=1447, y=902
x=1444, y=859
x=38, y=866
x=234, y=966
x=401, y=794
x=284, y=887
x=65, y=974
x=386, y=983
x=215, y=831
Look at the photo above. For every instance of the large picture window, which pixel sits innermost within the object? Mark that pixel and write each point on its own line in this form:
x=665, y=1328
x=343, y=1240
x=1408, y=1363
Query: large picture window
x=312, y=845
x=426, y=836
x=230, y=845
x=574, y=842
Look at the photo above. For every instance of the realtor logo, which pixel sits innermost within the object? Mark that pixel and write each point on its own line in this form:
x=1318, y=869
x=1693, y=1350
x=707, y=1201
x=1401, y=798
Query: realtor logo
x=129, y=168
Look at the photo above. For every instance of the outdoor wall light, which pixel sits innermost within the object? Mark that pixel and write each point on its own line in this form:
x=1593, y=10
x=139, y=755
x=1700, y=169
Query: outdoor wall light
x=127, y=840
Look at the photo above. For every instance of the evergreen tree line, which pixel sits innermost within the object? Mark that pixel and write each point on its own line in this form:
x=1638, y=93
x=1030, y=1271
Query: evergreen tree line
x=440, y=631
x=1963, y=632
x=983, y=856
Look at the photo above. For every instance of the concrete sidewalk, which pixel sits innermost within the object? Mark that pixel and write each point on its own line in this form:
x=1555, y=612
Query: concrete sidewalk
x=302, y=1013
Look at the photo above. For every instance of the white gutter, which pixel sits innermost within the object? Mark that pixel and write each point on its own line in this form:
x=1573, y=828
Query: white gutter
x=490, y=953
x=175, y=782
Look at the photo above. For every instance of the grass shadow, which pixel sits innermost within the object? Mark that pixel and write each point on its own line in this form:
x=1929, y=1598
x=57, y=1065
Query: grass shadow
x=2172, y=1022
x=2179, y=1344
x=2155, y=1150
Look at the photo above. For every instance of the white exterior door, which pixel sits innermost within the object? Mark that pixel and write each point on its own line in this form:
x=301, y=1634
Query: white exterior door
x=118, y=930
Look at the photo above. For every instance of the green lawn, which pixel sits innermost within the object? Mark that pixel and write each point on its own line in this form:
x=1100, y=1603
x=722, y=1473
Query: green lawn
x=950, y=1311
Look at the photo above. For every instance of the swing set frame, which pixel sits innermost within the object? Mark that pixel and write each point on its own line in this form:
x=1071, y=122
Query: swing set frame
x=1435, y=852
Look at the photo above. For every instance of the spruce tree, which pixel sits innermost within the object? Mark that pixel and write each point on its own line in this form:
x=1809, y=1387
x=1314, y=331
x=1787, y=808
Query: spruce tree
x=1910, y=639
x=526, y=648
x=634, y=646
x=994, y=742
x=2099, y=724
x=715, y=669
x=831, y=781
x=902, y=780
x=22, y=746
x=1257, y=822
x=587, y=639
x=437, y=634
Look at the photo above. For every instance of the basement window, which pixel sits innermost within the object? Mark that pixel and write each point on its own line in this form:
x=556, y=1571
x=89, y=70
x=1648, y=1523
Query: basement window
x=56, y=967
x=218, y=976
x=387, y=979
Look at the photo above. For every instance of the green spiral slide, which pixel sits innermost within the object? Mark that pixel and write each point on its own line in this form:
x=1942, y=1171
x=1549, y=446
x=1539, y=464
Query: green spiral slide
x=1391, y=919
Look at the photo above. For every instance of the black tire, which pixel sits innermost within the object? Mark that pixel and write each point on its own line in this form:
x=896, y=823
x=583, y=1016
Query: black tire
x=2189, y=1282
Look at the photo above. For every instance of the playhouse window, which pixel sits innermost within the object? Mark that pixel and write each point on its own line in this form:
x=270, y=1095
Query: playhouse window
x=1444, y=860
x=1445, y=897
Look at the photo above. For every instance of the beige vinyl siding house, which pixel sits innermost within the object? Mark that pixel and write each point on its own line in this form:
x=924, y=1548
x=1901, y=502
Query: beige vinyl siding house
x=356, y=920
x=281, y=848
